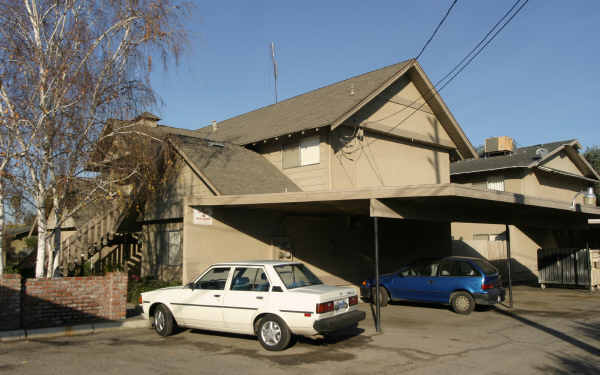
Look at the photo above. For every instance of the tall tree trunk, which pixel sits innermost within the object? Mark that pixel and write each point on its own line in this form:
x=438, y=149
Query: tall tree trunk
x=50, y=252
x=1, y=232
x=54, y=253
x=41, y=245
x=55, y=249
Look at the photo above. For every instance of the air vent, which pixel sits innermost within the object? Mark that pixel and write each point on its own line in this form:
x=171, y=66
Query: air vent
x=216, y=144
x=540, y=153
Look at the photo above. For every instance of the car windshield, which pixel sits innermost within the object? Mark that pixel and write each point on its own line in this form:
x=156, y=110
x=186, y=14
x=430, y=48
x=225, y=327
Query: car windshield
x=485, y=266
x=296, y=276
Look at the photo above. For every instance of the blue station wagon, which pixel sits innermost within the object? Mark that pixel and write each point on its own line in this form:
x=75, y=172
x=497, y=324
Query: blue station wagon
x=461, y=282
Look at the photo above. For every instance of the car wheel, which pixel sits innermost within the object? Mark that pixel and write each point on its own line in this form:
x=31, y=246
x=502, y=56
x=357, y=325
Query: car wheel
x=384, y=296
x=273, y=333
x=462, y=303
x=163, y=321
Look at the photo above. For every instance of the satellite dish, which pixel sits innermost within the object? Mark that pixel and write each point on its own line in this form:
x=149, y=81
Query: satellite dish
x=540, y=153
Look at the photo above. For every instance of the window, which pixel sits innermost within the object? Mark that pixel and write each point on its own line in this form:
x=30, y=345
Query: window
x=495, y=183
x=215, y=279
x=250, y=279
x=465, y=269
x=296, y=276
x=305, y=152
x=489, y=236
x=169, y=246
x=425, y=268
x=446, y=268
x=485, y=266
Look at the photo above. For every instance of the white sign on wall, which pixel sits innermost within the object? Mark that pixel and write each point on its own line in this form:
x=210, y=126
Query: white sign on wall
x=202, y=216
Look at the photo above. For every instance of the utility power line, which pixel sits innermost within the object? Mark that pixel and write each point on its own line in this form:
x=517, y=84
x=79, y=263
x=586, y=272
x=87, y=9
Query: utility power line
x=467, y=60
x=436, y=29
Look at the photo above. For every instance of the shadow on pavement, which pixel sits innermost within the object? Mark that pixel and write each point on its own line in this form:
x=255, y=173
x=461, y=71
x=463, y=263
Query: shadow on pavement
x=570, y=365
x=551, y=331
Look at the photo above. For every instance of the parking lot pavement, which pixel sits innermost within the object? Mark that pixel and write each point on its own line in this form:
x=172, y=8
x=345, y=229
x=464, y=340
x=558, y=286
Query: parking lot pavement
x=548, y=331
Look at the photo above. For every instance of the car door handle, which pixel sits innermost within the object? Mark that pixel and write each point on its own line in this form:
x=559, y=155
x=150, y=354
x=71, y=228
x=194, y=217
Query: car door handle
x=217, y=295
x=430, y=281
x=259, y=297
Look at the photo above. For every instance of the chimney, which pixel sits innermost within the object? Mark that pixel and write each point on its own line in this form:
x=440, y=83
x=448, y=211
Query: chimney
x=148, y=119
x=499, y=145
x=214, y=126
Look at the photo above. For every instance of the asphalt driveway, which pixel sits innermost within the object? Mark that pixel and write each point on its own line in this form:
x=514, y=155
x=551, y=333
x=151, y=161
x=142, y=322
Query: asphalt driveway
x=548, y=331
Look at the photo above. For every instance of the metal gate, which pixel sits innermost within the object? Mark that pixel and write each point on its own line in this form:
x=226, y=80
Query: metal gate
x=564, y=266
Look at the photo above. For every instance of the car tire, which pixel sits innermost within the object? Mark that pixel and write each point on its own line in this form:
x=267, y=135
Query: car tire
x=462, y=303
x=384, y=296
x=273, y=334
x=164, y=324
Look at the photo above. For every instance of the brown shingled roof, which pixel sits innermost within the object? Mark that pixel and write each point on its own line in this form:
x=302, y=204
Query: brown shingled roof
x=523, y=157
x=317, y=108
x=232, y=169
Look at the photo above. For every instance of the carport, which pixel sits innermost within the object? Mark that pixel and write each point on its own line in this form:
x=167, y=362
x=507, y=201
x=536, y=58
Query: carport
x=442, y=203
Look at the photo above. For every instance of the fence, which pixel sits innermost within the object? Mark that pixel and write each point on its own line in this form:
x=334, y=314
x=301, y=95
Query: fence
x=37, y=303
x=567, y=266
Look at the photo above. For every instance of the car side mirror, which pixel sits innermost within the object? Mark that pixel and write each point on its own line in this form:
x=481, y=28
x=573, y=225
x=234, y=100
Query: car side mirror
x=276, y=289
x=190, y=285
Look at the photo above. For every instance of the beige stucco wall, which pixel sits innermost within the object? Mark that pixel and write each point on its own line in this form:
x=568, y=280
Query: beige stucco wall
x=524, y=241
x=523, y=247
x=234, y=235
x=512, y=180
x=562, y=162
x=384, y=161
x=309, y=177
x=555, y=187
x=400, y=107
x=165, y=213
x=352, y=160
x=338, y=248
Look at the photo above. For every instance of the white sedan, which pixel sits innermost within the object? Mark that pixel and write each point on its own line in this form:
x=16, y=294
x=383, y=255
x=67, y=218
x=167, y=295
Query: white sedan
x=270, y=299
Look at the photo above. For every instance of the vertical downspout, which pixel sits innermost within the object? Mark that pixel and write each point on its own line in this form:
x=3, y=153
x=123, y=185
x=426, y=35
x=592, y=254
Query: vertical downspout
x=377, y=301
x=510, y=296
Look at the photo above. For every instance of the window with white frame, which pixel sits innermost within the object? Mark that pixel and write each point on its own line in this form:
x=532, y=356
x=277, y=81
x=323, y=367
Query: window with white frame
x=305, y=152
x=495, y=183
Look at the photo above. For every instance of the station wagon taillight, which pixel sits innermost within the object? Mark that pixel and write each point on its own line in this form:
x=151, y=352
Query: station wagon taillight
x=324, y=307
x=140, y=300
x=488, y=286
x=353, y=300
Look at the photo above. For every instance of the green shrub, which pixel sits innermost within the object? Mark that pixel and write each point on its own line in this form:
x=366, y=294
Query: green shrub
x=113, y=268
x=137, y=287
x=11, y=268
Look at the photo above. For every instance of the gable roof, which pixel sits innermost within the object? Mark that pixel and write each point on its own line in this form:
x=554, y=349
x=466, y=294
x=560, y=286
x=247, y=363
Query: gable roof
x=524, y=157
x=231, y=169
x=317, y=108
x=327, y=106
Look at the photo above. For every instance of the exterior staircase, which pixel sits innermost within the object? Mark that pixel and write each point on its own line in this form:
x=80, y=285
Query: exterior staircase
x=98, y=242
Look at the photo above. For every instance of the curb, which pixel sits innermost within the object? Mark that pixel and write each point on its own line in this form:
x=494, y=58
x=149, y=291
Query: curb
x=80, y=329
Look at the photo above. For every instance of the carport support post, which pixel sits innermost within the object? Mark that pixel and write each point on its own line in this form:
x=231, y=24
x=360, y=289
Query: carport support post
x=510, y=297
x=377, y=301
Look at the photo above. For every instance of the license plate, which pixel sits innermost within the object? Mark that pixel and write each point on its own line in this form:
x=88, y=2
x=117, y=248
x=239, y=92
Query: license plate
x=340, y=305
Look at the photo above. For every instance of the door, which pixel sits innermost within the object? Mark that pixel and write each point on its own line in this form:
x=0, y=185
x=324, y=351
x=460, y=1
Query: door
x=428, y=275
x=248, y=293
x=405, y=283
x=203, y=307
x=455, y=275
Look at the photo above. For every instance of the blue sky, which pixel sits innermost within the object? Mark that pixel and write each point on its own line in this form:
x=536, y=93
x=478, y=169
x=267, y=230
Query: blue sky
x=539, y=81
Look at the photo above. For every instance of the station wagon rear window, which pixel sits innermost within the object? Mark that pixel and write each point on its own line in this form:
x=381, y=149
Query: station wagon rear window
x=296, y=276
x=486, y=267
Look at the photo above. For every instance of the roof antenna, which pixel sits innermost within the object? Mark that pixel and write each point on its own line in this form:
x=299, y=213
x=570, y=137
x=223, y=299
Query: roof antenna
x=274, y=68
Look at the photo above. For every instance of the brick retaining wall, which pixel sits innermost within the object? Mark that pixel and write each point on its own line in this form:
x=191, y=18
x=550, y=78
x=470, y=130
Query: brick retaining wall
x=10, y=302
x=64, y=301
